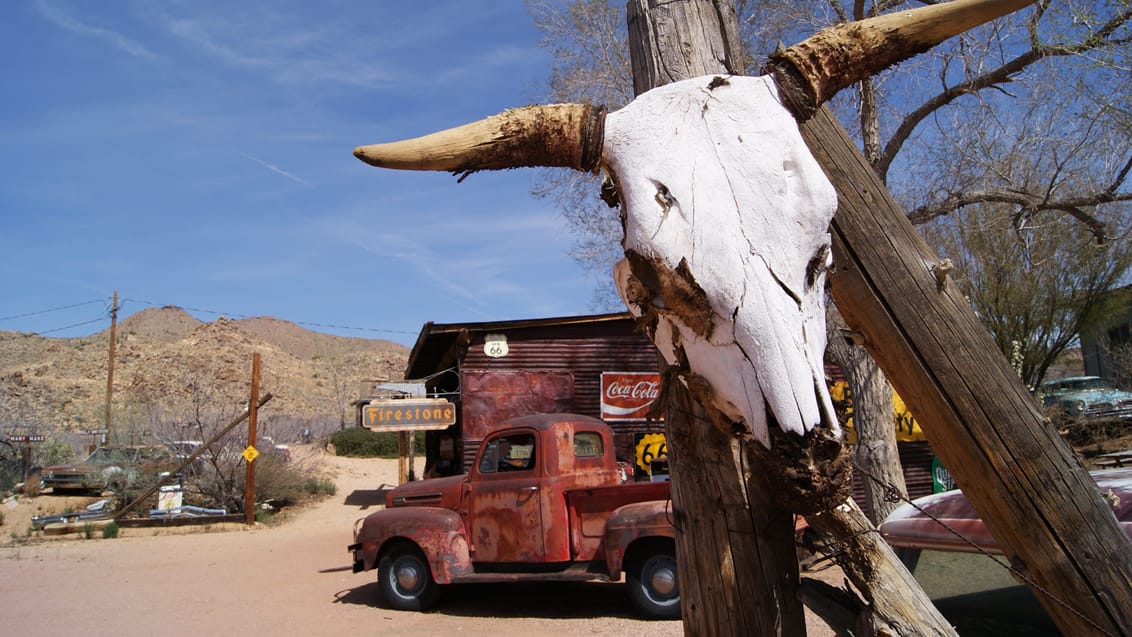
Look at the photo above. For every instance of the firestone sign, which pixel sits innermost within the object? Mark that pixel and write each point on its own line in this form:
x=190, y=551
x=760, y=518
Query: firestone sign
x=627, y=395
x=408, y=414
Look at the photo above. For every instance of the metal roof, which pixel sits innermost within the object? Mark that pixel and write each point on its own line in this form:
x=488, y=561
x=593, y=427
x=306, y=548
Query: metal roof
x=438, y=345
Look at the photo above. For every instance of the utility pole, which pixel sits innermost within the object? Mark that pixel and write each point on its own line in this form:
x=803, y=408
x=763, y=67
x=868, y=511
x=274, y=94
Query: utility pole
x=250, y=453
x=110, y=365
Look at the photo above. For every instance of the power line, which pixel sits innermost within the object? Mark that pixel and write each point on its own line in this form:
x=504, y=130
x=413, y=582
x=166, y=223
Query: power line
x=244, y=316
x=107, y=304
x=54, y=309
x=67, y=327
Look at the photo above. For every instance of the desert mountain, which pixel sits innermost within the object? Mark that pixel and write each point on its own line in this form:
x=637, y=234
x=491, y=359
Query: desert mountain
x=172, y=369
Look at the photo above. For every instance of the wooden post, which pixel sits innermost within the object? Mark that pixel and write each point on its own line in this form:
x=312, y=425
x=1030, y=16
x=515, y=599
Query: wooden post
x=110, y=364
x=249, y=478
x=734, y=545
x=402, y=465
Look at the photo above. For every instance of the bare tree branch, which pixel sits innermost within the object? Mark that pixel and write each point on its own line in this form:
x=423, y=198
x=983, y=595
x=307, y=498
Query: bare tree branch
x=999, y=76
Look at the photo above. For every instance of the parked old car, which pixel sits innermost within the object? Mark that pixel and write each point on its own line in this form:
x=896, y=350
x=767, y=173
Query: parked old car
x=971, y=589
x=108, y=467
x=543, y=501
x=1085, y=398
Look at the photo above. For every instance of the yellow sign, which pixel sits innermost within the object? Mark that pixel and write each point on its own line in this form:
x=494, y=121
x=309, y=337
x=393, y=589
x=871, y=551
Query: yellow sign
x=649, y=448
x=408, y=414
x=250, y=454
x=907, y=429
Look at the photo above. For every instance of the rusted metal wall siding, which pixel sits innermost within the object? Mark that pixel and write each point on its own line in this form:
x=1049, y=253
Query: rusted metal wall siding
x=490, y=397
x=561, y=349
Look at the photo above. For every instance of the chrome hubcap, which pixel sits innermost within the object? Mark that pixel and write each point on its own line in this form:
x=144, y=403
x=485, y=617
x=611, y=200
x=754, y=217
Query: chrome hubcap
x=407, y=576
x=663, y=581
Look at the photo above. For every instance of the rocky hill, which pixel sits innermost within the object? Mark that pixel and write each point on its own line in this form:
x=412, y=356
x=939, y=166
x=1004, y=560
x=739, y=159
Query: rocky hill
x=172, y=369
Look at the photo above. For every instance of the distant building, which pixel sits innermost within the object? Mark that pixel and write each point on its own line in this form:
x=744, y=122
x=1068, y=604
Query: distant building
x=1107, y=348
x=501, y=369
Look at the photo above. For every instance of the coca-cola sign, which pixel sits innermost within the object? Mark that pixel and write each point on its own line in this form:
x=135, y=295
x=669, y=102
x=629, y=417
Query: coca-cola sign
x=627, y=395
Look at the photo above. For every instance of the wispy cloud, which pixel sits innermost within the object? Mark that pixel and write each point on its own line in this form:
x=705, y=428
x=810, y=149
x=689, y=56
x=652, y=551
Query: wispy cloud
x=64, y=20
x=291, y=54
x=275, y=169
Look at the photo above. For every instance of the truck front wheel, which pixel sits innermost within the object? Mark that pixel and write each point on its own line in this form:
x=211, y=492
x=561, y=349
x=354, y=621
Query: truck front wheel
x=406, y=580
x=653, y=586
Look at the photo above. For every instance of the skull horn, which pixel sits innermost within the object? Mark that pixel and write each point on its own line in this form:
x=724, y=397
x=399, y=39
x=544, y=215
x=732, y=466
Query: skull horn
x=561, y=135
x=839, y=56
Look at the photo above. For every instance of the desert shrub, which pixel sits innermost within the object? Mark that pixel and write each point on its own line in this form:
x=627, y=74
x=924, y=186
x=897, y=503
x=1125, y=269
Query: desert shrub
x=278, y=481
x=87, y=531
x=359, y=442
x=54, y=451
x=321, y=486
x=10, y=473
x=110, y=531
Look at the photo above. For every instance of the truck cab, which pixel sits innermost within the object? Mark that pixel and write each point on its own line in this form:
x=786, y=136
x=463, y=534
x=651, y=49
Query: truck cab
x=543, y=500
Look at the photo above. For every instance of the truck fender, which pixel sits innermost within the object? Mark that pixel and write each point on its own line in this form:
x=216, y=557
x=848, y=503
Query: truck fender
x=634, y=522
x=439, y=533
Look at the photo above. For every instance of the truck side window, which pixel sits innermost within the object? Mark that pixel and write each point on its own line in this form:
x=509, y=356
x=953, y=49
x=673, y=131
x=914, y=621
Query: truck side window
x=509, y=453
x=587, y=444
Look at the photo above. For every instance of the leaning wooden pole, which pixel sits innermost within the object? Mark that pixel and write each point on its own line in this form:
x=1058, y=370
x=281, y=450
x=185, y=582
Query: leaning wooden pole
x=1034, y=495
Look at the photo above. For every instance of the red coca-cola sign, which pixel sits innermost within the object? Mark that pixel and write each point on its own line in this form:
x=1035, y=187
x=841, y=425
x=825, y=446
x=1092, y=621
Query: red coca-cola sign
x=627, y=395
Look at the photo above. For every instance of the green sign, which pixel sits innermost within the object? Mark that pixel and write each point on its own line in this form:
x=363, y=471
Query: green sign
x=941, y=478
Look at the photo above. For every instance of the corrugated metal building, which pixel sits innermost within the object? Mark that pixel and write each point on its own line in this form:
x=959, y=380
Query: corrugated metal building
x=497, y=370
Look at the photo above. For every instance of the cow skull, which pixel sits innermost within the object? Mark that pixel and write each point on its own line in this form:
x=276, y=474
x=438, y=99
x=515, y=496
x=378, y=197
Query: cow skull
x=725, y=211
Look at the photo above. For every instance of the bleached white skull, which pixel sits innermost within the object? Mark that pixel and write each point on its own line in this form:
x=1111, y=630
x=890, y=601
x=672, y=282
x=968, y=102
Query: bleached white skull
x=722, y=198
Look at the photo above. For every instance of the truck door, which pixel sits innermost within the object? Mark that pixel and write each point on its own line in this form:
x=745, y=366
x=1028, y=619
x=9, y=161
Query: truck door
x=505, y=501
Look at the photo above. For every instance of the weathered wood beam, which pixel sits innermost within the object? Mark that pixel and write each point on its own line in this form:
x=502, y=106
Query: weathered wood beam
x=1034, y=495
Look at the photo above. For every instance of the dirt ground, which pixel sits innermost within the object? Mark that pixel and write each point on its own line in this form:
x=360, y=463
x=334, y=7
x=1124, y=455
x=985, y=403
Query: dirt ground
x=290, y=578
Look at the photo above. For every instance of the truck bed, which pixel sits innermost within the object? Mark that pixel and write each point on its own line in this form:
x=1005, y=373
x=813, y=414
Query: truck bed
x=590, y=507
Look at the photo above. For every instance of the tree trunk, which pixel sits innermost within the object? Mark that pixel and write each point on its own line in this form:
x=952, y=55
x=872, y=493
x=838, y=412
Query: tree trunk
x=875, y=452
x=1034, y=495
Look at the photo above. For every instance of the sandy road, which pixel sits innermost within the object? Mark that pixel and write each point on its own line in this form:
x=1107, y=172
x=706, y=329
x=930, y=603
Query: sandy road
x=293, y=579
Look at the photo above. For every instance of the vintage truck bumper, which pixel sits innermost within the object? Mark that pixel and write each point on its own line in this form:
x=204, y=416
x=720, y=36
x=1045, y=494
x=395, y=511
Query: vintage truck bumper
x=359, y=563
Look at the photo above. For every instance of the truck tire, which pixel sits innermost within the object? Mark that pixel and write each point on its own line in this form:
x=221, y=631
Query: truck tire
x=653, y=587
x=406, y=580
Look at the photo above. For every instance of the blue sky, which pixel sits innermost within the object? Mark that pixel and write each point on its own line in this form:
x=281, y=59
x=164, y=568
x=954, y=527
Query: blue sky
x=198, y=153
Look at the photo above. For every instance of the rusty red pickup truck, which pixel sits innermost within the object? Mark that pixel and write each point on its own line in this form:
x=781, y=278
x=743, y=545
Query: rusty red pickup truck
x=542, y=501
